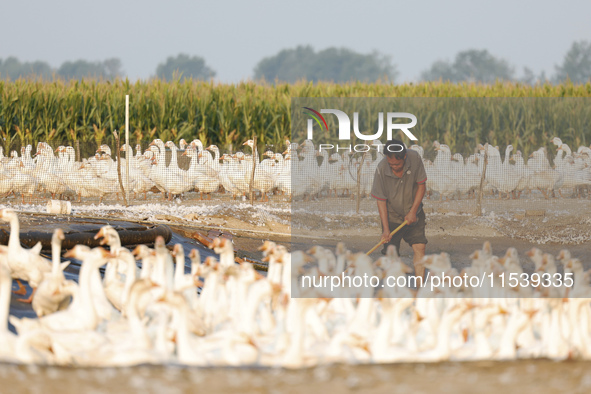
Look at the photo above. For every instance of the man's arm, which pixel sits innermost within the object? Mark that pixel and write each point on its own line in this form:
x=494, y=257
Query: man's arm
x=411, y=216
x=383, y=210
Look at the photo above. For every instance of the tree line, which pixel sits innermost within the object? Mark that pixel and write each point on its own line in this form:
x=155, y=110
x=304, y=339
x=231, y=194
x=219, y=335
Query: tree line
x=331, y=64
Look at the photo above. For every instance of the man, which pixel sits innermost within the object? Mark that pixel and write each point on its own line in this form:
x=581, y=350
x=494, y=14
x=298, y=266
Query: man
x=399, y=187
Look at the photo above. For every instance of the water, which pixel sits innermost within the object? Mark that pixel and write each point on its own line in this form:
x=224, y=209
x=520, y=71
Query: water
x=539, y=376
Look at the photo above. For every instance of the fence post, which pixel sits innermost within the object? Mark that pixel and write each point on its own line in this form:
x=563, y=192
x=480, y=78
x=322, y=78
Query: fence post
x=254, y=164
x=127, y=158
x=482, y=180
x=78, y=150
x=359, y=182
x=119, y=167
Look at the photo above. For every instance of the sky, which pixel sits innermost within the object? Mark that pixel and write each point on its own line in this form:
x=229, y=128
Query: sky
x=233, y=36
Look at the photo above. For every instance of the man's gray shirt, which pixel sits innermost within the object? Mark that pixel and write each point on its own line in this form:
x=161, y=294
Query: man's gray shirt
x=399, y=192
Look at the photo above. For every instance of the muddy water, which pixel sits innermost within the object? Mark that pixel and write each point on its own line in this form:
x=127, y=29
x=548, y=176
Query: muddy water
x=71, y=272
x=540, y=376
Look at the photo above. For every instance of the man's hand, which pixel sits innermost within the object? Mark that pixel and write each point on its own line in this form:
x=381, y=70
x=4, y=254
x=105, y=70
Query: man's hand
x=411, y=217
x=386, y=237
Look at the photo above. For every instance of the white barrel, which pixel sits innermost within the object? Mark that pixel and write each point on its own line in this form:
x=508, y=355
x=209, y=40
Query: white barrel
x=58, y=206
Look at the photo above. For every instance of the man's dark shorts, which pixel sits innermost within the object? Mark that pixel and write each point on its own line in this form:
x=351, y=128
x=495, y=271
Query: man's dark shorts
x=413, y=234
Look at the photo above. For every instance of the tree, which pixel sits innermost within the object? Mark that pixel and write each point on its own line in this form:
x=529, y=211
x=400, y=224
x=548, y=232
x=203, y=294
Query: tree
x=108, y=69
x=576, y=65
x=185, y=67
x=528, y=77
x=470, y=66
x=331, y=64
x=12, y=68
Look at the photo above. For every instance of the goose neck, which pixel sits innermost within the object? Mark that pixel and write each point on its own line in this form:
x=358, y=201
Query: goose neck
x=14, y=237
x=5, y=288
x=85, y=289
x=56, y=248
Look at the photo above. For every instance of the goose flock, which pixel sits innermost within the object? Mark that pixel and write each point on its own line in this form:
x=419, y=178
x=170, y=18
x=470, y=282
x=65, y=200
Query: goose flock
x=307, y=176
x=227, y=314
x=63, y=177
x=450, y=175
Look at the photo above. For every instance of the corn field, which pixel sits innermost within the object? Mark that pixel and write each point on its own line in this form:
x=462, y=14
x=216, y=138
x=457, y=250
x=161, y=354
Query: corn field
x=526, y=123
x=228, y=114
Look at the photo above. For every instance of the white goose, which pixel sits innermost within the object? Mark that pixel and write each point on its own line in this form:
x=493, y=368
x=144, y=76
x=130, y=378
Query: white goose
x=503, y=176
x=25, y=264
x=225, y=180
x=50, y=296
x=264, y=179
x=523, y=172
x=81, y=314
x=444, y=181
x=237, y=173
x=8, y=339
x=543, y=177
x=139, y=182
x=208, y=181
x=573, y=175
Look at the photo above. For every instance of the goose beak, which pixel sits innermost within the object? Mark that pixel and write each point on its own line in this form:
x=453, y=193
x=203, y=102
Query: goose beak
x=99, y=234
x=198, y=282
x=216, y=242
x=530, y=314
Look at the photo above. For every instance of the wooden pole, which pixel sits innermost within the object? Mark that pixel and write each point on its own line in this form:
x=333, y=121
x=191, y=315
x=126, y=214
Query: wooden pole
x=482, y=180
x=391, y=234
x=78, y=150
x=127, y=158
x=359, y=182
x=119, y=167
x=254, y=164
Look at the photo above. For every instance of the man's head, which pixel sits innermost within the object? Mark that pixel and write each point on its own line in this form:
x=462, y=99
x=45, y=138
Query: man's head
x=395, y=152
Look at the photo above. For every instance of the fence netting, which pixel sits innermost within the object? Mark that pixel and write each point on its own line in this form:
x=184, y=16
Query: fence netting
x=519, y=165
x=480, y=155
x=89, y=173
